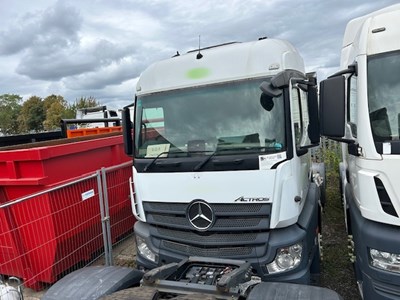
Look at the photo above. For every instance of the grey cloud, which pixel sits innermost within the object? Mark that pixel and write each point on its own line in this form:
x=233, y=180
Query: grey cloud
x=53, y=66
x=57, y=52
x=17, y=38
x=45, y=64
x=104, y=44
x=112, y=75
x=58, y=23
x=62, y=20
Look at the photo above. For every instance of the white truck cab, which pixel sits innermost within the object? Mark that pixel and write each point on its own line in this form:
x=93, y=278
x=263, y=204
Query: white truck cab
x=222, y=165
x=360, y=106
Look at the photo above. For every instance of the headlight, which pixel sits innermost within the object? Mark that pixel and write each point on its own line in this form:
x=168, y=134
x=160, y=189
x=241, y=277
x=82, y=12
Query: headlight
x=144, y=250
x=385, y=260
x=286, y=259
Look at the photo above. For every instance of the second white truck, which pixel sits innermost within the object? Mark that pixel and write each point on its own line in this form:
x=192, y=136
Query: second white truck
x=360, y=106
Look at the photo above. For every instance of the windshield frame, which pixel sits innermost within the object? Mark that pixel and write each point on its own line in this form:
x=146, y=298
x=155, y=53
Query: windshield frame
x=229, y=88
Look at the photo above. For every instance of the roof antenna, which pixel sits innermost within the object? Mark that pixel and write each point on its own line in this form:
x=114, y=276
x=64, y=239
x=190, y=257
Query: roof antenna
x=199, y=55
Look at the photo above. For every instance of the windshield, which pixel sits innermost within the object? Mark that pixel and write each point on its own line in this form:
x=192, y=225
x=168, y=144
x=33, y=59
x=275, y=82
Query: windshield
x=227, y=118
x=384, y=96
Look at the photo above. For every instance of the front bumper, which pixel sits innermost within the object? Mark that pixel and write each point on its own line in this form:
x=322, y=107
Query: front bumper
x=258, y=259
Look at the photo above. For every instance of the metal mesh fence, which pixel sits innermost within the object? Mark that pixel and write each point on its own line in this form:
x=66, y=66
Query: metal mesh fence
x=45, y=235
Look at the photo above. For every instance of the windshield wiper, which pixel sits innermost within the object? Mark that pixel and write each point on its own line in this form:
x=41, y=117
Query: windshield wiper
x=208, y=158
x=150, y=164
x=203, y=162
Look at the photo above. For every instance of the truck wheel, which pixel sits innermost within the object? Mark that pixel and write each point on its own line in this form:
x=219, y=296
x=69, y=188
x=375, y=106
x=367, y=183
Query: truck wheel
x=136, y=293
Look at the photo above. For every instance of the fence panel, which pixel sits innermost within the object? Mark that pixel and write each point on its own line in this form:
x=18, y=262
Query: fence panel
x=48, y=234
x=52, y=232
x=115, y=181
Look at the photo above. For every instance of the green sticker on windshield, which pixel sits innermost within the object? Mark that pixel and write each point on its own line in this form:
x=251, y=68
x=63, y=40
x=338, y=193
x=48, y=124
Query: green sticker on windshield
x=198, y=73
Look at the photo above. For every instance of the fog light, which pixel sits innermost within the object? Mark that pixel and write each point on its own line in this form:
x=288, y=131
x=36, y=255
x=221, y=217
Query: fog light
x=144, y=250
x=286, y=259
x=385, y=260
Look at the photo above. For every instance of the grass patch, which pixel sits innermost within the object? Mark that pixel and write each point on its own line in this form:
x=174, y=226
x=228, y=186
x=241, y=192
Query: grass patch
x=337, y=270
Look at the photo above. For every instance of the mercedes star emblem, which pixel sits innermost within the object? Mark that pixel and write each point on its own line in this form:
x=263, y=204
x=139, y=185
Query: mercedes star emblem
x=200, y=215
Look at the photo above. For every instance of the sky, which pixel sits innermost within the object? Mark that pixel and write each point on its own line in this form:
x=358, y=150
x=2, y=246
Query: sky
x=98, y=48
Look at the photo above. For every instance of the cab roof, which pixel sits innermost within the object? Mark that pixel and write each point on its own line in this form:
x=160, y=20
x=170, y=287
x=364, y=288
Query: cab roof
x=227, y=62
x=374, y=33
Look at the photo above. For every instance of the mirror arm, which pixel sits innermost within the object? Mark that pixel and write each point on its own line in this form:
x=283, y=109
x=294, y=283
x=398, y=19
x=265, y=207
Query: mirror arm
x=352, y=69
x=347, y=141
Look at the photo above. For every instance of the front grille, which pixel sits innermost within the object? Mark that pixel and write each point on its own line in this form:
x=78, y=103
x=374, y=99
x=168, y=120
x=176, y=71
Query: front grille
x=249, y=223
x=214, y=238
x=208, y=252
x=247, y=216
x=218, y=208
x=237, y=231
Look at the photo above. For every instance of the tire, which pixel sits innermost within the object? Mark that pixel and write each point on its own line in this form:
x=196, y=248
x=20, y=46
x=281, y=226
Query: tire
x=137, y=293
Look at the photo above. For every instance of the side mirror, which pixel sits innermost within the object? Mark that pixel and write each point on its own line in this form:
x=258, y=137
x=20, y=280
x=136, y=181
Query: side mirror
x=332, y=107
x=127, y=131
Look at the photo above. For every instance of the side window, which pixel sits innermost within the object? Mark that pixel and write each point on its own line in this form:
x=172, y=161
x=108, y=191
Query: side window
x=152, y=123
x=300, y=117
x=352, y=104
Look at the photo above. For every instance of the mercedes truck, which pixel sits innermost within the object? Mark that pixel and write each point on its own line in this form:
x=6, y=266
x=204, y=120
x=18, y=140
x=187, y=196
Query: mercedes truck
x=360, y=107
x=221, y=143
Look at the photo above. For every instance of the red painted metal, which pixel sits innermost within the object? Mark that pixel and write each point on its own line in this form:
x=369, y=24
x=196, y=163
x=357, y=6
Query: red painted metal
x=44, y=237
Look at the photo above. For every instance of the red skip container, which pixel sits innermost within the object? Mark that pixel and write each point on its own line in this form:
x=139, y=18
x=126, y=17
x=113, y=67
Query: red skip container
x=40, y=238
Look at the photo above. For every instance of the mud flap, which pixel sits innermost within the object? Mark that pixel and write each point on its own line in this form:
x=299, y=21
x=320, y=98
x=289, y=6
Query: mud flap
x=280, y=290
x=93, y=282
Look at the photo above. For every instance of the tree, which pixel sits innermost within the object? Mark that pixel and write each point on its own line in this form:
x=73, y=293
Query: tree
x=10, y=108
x=85, y=102
x=56, y=108
x=32, y=115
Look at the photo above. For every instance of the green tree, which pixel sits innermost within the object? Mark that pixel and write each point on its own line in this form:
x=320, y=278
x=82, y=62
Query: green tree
x=32, y=115
x=56, y=108
x=10, y=108
x=50, y=100
x=85, y=102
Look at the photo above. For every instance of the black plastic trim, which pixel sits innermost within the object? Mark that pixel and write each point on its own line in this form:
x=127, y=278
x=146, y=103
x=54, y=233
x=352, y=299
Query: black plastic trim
x=394, y=146
x=188, y=163
x=288, y=124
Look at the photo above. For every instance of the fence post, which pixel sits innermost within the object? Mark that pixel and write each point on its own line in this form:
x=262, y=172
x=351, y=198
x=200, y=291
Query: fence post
x=107, y=217
x=103, y=219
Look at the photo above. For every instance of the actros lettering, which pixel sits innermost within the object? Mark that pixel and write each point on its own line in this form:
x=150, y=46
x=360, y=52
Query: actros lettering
x=251, y=199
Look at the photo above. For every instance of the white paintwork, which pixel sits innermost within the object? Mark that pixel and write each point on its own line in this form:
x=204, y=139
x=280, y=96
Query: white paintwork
x=360, y=42
x=281, y=186
x=248, y=60
x=223, y=187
